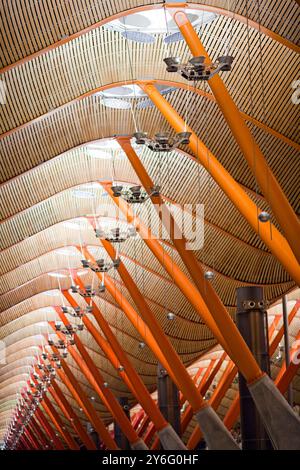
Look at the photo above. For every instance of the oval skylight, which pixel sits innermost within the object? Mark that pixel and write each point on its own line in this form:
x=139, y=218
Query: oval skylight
x=157, y=21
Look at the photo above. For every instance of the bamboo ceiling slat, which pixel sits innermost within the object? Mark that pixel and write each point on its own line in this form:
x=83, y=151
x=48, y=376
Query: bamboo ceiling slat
x=52, y=112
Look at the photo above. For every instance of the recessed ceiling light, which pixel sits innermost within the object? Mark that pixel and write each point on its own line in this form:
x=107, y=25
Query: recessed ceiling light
x=83, y=272
x=57, y=275
x=67, y=251
x=83, y=194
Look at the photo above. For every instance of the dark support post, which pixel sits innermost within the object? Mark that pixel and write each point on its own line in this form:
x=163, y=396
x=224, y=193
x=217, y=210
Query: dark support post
x=252, y=322
x=120, y=438
x=168, y=399
x=93, y=435
x=286, y=345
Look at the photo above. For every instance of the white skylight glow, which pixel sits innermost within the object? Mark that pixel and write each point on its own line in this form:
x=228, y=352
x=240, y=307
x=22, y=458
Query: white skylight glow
x=158, y=21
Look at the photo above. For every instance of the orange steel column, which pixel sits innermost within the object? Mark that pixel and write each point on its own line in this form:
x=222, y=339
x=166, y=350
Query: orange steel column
x=30, y=435
x=182, y=378
x=44, y=440
x=129, y=311
x=204, y=385
x=272, y=238
x=54, y=416
x=239, y=351
x=51, y=411
x=215, y=401
x=269, y=185
x=286, y=375
x=179, y=241
x=145, y=398
x=53, y=437
x=234, y=409
x=78, y=393
x=142, y=395
x=172, y=361
x=71, y=415
x=93, y=375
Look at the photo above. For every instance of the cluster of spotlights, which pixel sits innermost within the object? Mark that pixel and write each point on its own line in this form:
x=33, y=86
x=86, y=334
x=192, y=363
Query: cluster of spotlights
x=100, y=265
x=162, y=142
x=197, y=68
x=134, y=194
x=115, y=235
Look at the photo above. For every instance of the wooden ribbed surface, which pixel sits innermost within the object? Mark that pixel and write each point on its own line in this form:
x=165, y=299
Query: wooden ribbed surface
x=52, y=111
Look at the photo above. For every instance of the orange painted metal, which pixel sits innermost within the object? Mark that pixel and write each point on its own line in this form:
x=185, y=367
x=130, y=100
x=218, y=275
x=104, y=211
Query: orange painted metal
x=268, y=232
x=242, y=355
x=145, y=398
x=171, y=360
x=31, y=437
x=42, y=438
x=234, y=409
x=79, y=395
x=223, y=385
x=286, y=375
x=179, y=241
x=52, y=435
x=95, y=378
x=269, y=185
x=203, y=386
x=54, y=416
x=71, y=415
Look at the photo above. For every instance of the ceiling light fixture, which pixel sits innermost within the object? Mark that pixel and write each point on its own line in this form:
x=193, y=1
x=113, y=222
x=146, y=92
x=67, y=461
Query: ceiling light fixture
x=162, y=142
x=197, y=68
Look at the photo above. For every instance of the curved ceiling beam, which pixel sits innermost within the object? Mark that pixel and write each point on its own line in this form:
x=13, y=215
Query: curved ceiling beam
x=124, y=255
x=173, y=336
x=199, y=6
x=172, y=83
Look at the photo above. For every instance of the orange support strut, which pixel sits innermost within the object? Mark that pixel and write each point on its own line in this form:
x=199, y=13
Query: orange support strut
x=79, y=395
x=93, y=375
x=269, y=185
x=239, y=351
x=272, y=238
x=146, y=400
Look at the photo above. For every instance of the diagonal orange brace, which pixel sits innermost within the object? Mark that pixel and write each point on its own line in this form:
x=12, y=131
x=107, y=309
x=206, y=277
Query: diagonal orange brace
x=145, y=398
x=268, y=232
x=239, y=351
x=80, y=396
x=95, y=378
x=269, y=185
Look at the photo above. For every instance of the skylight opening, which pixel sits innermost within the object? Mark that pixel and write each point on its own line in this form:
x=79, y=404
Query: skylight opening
x=144, y=26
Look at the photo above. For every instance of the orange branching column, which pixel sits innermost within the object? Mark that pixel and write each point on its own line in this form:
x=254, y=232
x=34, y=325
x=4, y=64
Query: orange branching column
x=167, y=434
x=239, y=351
x=93, y=375
x=268, y=232
x=79, y=395
x=179, y=241
x=269, y=185
x=172, y=360
x=67, y=410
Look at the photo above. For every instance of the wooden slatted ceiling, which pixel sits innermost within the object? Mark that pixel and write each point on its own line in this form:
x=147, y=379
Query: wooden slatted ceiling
x=78, y=167
x=64, y=206
x=28, y=149
x=35, y=25
x=54, y=79
x=89, y=62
